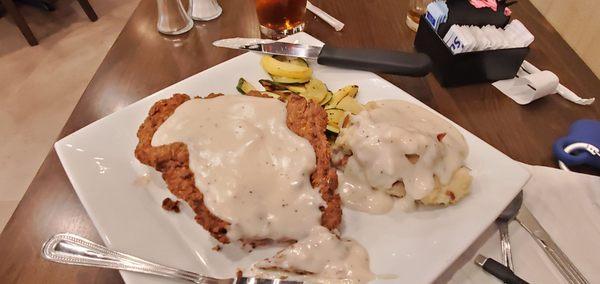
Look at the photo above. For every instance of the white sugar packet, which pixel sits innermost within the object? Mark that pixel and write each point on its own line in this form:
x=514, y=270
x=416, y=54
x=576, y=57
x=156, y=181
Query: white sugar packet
x=454, y=40
x=482, y=41
x=468, y=39
x=519, y=34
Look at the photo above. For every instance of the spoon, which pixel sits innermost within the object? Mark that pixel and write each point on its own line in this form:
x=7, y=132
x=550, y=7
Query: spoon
x=502, y=222
x=75, y=250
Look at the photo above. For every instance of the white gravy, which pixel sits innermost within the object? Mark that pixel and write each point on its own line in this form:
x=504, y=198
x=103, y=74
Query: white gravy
x=252, y=169
x=357, y=194
x=327, y=259
x=381, y=137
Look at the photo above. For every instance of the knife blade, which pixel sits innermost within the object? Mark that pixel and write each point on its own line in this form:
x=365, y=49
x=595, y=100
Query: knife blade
x=374, y=60
x=557, y=256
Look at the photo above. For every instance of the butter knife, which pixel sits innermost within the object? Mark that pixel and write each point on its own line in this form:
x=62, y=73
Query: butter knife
x=75, y=250
x=560, y=260
x=374, y=60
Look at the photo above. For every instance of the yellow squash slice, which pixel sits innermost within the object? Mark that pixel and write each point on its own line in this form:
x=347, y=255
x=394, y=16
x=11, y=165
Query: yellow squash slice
x=285, y=69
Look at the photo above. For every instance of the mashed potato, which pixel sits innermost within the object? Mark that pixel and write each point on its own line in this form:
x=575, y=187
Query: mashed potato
x=394, y=148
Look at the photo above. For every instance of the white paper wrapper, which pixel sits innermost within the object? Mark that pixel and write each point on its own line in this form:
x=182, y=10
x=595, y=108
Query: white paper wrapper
x=337, y=25
x=532, y=84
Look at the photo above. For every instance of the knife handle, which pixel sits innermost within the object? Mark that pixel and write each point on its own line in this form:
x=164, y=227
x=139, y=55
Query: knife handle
x=377, y=60
x=499, y=271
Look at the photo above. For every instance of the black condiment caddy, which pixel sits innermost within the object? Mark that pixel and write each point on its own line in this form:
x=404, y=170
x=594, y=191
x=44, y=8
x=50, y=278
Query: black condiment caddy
x=469, y=67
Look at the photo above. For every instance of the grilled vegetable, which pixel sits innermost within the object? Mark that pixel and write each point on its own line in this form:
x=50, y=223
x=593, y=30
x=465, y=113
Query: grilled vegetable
x=275, y=86
x=286, y=80
x=327, y=98
x=272, y=86
x=285, y=69
x=350, y=104
x=271, y=94
x=283, y=94
x=244, y=86
x=334, y=116
x=296, y=89
x=292, y=60
x=333, y=129
x=350, y=90
x=315, y=90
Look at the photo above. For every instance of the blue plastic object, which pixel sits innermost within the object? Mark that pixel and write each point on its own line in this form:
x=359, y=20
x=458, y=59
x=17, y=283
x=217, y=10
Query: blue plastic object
x=581, y=131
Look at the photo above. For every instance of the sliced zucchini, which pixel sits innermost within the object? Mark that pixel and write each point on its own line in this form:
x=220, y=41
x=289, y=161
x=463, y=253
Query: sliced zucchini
x=285, y=69
x=286, y=80
x=315, y=90
x=350, y=91
x=333, y=129
x=344, y=121
x=327, y=98
x=296, y=89
x=272, y=86
x=350, y=104
x=244, y=86
x=334, y=116
x=293, y=60
x=271, y=94
x=284, y=94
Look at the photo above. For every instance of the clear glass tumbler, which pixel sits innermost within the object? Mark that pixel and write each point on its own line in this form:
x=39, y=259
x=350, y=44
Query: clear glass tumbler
x=173, y=17
x=416, y=9
x=279, y=18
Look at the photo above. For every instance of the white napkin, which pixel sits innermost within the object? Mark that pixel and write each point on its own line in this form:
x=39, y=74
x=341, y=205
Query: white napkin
x=532, y=84
x=567, y=205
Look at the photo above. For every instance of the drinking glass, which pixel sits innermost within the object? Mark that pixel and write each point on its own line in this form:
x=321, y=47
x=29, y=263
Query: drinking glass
x=279, y=18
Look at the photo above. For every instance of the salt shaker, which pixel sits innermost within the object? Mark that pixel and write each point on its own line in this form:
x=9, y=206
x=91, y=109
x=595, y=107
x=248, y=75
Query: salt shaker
x=173, y=18
x=206, y=10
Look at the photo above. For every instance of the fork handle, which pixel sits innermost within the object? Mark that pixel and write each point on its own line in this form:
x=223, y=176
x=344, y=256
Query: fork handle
x=505, y=243
x=75, y=250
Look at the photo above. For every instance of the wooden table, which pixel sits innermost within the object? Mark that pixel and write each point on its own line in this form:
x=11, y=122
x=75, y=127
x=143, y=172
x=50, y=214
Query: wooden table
x=142, y=62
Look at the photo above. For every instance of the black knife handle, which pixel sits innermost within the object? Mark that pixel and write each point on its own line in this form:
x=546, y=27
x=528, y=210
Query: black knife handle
x=377, y=60
x=502, y=272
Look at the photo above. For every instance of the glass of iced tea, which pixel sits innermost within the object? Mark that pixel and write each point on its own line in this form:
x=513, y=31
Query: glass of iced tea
x=416, y=9
x=279, y=18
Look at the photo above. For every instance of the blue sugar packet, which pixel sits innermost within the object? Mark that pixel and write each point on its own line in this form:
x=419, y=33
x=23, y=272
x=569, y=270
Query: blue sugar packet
x=437, y=13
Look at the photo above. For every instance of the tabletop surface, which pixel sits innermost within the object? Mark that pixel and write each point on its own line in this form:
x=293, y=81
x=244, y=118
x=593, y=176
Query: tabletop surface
x=142, y=61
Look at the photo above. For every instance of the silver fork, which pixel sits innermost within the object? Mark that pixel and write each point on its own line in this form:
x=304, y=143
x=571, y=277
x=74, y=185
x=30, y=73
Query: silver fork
x=503, y=220
x=72, y=249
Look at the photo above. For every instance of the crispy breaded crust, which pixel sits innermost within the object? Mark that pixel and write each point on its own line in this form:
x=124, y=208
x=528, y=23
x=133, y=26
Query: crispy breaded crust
x=307, y=120
x=172, y=161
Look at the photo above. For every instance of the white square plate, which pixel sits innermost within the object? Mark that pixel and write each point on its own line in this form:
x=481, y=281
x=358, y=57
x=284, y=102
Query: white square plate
x=123, y=197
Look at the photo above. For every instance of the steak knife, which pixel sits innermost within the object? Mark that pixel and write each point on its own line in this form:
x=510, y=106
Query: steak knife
x=375, y=60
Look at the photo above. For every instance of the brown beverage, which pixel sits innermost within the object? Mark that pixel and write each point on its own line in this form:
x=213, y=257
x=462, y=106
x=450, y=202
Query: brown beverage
x=416, y=9
x=278, y=18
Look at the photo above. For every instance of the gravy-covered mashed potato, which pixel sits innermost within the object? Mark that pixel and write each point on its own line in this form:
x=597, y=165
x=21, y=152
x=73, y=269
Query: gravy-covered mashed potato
x=397, y=149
